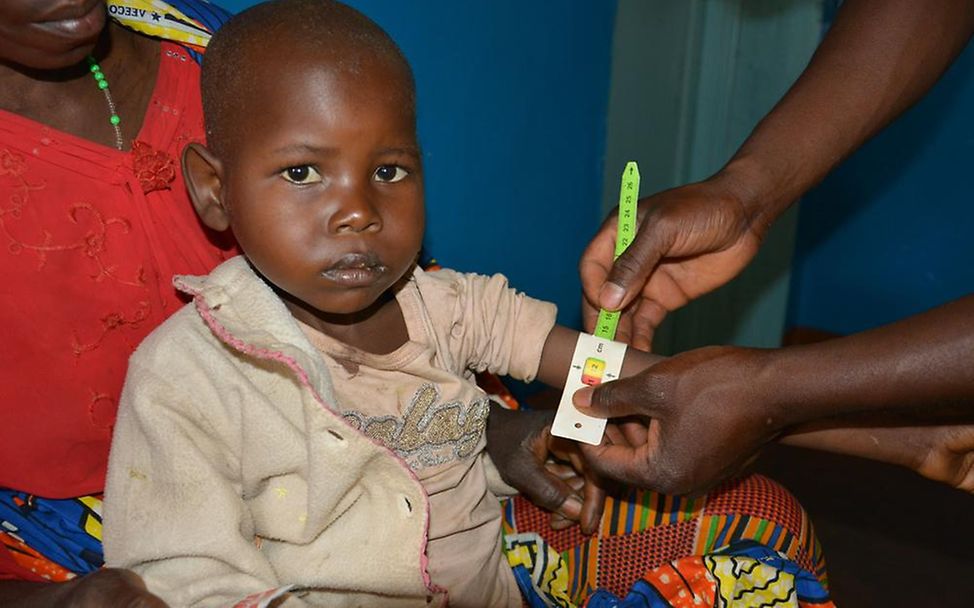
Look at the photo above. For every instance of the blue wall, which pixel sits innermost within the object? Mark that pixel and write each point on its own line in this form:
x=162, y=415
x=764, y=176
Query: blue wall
x=512, y=104
x=891, y=231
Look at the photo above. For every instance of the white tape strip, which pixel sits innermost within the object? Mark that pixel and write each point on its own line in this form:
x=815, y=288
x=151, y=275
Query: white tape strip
x=596, y=360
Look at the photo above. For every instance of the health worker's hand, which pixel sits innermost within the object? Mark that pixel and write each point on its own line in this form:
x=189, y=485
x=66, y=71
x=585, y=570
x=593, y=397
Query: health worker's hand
x=690, y=240
x=949, y=454
x=704, y=418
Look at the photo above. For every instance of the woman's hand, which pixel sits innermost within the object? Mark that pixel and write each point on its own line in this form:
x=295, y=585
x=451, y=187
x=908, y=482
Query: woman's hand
x=106, y=587
x=690, y=241
x=111, y=587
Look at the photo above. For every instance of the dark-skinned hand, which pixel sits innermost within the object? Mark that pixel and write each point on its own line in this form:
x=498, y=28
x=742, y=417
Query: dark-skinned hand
x=949, y=457
x=941, y=452
x=701, y=420
x=690, y=240
x=544, y=468
x=106, y=587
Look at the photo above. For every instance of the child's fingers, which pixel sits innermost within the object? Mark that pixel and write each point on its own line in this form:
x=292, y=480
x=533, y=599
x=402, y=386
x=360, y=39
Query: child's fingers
x=616, y=435
x=561, y=470
x=636, y=432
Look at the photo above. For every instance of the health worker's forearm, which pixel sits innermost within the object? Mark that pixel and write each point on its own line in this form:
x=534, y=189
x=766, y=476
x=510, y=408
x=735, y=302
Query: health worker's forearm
x=919, y=366
x=878, y=58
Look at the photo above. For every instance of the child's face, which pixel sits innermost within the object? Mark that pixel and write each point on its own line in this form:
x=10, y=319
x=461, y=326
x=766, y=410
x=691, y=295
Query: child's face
x=323, y=182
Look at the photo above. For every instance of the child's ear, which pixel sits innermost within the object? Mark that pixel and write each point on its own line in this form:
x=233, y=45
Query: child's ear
x=203, y=173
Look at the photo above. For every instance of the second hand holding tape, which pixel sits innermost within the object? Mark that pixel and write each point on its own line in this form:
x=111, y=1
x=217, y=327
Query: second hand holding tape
x=597, y=357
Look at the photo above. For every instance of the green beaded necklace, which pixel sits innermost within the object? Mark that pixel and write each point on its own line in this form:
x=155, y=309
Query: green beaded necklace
x=103, y=85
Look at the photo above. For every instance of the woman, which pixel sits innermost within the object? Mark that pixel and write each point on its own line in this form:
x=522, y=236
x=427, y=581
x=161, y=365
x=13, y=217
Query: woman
x=94, y=221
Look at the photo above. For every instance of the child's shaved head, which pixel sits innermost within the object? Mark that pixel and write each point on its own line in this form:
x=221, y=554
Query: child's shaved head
x=278, y=33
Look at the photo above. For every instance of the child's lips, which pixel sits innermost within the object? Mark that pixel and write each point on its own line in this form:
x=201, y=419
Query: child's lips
x=354, y=277
x=356, y=270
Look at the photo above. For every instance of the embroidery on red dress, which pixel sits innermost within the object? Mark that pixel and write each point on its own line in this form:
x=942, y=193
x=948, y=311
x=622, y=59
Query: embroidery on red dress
x=101, y=410
x=13, y=165
x=154, y=169
x=92, y=244
x=110, y=322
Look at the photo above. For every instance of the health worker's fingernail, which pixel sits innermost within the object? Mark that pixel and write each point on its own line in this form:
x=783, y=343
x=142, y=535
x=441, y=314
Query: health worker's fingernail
x=611, y=295
x=583, y=397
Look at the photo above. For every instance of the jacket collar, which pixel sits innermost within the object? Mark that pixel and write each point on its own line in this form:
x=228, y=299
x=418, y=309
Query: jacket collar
x=243, y=312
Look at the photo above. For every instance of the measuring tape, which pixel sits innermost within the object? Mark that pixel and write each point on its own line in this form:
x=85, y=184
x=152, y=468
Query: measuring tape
x=597, y=357
x=608, y=321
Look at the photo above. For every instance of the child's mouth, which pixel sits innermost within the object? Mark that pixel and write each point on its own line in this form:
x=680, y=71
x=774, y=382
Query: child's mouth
x=356, y=270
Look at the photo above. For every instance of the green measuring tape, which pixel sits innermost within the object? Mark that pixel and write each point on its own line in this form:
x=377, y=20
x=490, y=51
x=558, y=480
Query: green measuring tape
x=606, y=325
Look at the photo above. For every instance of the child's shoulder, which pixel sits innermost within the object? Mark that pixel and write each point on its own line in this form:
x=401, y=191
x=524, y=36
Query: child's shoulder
x=454, y=284
x=448, y=279
x=186, y=335
x=174, y=339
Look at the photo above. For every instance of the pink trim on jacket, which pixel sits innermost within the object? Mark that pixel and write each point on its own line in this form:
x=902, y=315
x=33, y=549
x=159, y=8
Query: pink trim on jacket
x=224, y=334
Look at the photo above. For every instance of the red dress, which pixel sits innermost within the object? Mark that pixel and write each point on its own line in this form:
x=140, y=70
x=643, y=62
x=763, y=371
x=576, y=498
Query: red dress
x=89, y=240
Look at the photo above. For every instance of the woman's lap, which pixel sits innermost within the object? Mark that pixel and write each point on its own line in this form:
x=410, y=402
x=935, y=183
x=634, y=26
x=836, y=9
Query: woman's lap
x=736, y=536
x=655, y=549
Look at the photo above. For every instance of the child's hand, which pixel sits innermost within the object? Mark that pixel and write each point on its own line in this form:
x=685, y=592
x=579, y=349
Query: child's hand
x=567, y=462
x=544, y=468
x=569, y=476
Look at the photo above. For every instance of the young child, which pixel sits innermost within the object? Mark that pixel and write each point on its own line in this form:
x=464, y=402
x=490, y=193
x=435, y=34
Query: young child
x=312, y=419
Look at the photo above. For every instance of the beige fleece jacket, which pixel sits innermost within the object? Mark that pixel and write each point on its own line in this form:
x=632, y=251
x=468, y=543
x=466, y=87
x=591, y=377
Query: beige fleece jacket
x=232, y=470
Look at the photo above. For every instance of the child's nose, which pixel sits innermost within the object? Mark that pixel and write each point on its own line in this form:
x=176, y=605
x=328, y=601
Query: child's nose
x=354, y=213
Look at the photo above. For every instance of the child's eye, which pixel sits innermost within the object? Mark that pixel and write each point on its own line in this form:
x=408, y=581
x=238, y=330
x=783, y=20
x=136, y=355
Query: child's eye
x=390, y=174
x=301, y=174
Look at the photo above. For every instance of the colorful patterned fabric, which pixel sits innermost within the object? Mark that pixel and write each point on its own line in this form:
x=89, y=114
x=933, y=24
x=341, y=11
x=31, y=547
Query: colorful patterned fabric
x=54, y=539
x=652, y=551
x=748, y=543
x=189, y=23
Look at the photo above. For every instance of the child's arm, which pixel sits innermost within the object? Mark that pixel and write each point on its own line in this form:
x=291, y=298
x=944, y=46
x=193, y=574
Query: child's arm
x=520, y=444
x=557, y=357
x=495, y=328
